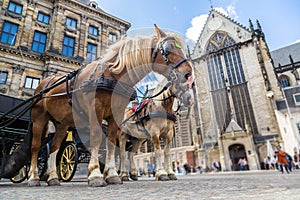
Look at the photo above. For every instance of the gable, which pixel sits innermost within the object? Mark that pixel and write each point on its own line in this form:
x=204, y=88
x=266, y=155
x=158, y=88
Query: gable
x=219, y=23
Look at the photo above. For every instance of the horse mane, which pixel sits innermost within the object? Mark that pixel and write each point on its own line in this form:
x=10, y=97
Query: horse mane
x=130, y=53
x=165, y=94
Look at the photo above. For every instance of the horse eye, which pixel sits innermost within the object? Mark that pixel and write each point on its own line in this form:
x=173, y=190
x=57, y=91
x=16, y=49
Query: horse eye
x=167, y=47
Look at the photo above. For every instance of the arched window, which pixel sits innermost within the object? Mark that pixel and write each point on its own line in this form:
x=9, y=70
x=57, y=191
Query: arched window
x=227, y=80
x=284, y=81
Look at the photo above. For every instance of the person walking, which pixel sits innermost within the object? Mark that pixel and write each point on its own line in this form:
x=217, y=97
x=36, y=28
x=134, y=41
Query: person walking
x=281, y=159
x=296, y=160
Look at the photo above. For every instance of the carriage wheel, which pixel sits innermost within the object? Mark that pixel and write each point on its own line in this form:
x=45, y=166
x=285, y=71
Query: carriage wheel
x=22, y=174
x=67, y=161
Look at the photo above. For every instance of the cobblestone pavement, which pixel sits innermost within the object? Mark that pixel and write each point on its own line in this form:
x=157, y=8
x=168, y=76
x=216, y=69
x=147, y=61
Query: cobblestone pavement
x=225, y=185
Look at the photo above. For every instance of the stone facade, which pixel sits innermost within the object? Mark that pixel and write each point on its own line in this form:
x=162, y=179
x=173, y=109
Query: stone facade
x=82, y=22
x=235, y=83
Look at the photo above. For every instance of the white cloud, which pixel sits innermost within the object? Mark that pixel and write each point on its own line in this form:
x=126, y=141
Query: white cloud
x=231, y=12
x=197, y=23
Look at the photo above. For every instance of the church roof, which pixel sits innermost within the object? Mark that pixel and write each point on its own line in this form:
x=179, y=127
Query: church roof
x=233, y=126
x=281, y=55
x=87, y=2
x=210, y=15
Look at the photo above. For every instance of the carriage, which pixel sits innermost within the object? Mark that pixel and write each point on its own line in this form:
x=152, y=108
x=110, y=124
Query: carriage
x=71, y=153
x=97, y=92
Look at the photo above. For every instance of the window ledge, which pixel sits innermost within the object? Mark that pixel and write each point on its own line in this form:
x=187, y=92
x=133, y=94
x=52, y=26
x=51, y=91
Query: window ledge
x=13, y=15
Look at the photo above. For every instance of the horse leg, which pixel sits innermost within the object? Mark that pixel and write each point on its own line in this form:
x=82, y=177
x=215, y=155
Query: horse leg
x=167, y=151
x=122, y=145
x=133, y=170
x=161, y=174
x=60, y=134
x=95, y=178
x=110, y=173
x=39, y=126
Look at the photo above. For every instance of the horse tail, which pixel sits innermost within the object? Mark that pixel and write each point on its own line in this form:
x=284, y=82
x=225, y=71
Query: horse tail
x=11, y=164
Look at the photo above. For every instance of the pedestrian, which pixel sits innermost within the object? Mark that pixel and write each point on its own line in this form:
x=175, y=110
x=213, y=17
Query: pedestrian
x=153, y=170
x=268, y=163
x=216, y=166
x=149, y=169
x=275, y=161
x=243, y=164
x=179, y=168
x=289, y=160
x=281, y=160
x=230, y=164
x=186, y=168
x=296, y=160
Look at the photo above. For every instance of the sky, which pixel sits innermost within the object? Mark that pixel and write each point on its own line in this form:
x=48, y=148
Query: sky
x=280, y=19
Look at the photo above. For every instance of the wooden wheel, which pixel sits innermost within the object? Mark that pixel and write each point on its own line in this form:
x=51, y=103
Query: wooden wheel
x=67, y=161
x=22, y=174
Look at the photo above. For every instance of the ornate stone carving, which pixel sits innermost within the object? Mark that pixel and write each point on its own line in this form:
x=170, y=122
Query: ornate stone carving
x=17, y=69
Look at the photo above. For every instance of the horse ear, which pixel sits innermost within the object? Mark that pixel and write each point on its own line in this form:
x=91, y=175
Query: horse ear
x=159, y=32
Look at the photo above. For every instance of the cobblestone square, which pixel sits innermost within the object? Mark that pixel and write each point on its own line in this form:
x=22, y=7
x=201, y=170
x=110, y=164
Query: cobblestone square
x=225, y=185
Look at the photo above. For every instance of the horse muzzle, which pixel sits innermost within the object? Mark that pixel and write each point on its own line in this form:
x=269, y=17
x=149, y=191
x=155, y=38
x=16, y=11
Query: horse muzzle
x=187, y=98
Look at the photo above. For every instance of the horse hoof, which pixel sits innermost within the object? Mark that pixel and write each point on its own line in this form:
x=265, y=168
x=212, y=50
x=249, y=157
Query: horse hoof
x=124, y=178
x=113, y=180
x=53, y=182
x=163, y=178
x=172, y=177
x=33, y=183
x=97, y=182
x=134, y=177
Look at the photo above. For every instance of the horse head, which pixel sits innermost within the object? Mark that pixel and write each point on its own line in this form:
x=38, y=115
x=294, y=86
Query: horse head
x=169, y=52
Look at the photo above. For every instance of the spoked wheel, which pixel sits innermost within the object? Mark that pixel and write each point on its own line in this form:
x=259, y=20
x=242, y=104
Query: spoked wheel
x=22, y=174
x=67, y=160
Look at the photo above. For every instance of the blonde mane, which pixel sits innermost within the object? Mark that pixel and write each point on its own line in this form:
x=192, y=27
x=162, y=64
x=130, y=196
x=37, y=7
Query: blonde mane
x=132, y=52
x=129, y=53
x=165, y=94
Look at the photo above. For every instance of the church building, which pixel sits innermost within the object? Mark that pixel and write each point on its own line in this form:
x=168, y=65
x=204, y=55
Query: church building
x=236, y=90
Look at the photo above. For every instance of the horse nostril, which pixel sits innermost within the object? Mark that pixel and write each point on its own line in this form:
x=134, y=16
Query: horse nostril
x=186, y=77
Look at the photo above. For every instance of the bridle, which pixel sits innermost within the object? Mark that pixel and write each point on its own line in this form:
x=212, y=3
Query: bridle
x=164, y=48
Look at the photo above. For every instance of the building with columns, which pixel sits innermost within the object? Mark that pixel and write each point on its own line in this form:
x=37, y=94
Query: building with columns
x=236, y=90
x=50, y=37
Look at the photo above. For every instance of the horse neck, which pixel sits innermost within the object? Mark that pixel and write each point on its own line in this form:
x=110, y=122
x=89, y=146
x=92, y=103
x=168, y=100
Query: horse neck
x=164, y=105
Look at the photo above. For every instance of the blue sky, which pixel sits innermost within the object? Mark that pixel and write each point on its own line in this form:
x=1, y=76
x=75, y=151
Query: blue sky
x=280, y=20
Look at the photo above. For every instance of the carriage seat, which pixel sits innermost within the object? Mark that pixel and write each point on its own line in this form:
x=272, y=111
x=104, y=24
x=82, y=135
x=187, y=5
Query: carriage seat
x=137, y=108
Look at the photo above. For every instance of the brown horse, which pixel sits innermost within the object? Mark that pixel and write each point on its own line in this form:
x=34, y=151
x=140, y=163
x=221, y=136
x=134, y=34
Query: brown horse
x=154, y=120
x=101, y=91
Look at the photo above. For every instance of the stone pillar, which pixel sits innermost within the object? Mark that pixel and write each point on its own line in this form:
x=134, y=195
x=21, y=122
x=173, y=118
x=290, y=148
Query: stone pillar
x=82, y=36
x=57, y=33
x=16, y=80
x=202, y=158
x=27, y=29
x=222, y=155
x=252, y=156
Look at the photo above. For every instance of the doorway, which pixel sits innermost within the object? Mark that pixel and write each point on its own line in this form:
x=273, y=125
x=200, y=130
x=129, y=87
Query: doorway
x=236, y=151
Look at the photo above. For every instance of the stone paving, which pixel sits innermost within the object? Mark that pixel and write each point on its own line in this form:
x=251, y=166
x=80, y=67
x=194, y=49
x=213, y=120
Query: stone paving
x=252, y=185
